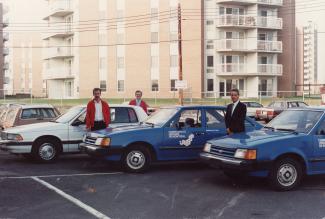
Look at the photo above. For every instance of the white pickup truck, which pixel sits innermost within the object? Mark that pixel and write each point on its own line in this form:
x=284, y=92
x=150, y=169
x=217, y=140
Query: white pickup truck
x=46, y=141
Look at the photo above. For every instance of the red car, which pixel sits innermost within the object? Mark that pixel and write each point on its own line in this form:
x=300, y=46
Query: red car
x=275, y=108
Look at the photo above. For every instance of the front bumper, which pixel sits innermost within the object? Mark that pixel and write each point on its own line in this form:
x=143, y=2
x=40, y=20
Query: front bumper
x=233, y=163
x=99, y=151
x=16, y=147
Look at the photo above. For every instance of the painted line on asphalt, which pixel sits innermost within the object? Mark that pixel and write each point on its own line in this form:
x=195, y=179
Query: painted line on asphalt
x=61, y=175
x=75, y=201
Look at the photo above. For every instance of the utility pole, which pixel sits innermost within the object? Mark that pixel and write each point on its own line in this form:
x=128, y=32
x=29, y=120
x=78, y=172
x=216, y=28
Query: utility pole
x=180, y=59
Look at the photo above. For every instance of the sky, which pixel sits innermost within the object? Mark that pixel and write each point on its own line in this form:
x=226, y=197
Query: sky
x=314, y=10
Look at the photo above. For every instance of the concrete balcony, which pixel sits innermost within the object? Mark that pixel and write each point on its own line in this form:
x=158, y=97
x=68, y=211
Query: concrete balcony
x=269, y=46
x=237, y=2
x=230, y=69
x=59, y=30
x=270, y=69
x=5, y=37
x=241, y=21
x=269, y=22
x=246, y=22
x=271, y=2
x=5, y=66
x=228, y=45
x=57, y=53
x=5, y=51
x=58, y=73
x=59, y=8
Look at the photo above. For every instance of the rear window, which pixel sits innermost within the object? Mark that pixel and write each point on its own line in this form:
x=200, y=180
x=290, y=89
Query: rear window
x=48, y=113
x=11, y=116
x=123, y=115
x=255, y=105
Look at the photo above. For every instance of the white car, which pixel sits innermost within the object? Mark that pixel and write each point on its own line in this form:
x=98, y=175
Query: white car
x=251, y=108
x=46, y=141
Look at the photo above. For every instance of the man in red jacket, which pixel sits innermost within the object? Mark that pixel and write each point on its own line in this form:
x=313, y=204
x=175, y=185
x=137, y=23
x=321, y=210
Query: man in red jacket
x=98, y=113
x=139, y=102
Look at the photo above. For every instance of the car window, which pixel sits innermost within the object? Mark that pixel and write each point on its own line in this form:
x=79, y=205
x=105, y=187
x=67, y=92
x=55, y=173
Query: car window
x=132, y=116
x=29, y=114
x=120, y=115
x=302, y=104
x=82, y=118
x=321, y=129
x=47, y=113
x=255, y=105
x=11, y=116
x=247, y=104
x=190, y=119
x=214, y=118
x=292, y=104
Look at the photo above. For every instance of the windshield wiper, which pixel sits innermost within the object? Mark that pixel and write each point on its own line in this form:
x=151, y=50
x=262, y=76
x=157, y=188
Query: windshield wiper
x=269, y=127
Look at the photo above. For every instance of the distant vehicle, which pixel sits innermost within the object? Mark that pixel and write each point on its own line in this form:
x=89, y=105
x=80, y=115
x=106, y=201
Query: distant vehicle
x=252, y=107
x=176, y=133
x=275, y=108
x=289, y=147
x=46, y=141
x=17, y=114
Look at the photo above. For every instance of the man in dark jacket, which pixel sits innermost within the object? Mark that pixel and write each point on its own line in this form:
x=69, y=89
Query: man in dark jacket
x=236, y=114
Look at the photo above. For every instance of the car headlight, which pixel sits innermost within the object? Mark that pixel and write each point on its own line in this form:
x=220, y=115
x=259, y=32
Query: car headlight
x=207, y=147
x=15, y=137
x=104, y=142
x=246, y=154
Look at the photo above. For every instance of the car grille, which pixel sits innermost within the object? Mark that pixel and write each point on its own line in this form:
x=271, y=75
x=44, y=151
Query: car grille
x=90, y=140
x=222, y=151
x=3, y=136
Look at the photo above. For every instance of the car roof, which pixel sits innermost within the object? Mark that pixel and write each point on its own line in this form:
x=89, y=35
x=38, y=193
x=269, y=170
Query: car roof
x=309, y=108
x=32, y=106
x=194, y=106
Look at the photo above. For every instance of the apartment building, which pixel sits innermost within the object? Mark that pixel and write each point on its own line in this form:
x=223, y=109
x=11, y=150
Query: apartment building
x=310, y=77
x=120, y=46
x=242, y=47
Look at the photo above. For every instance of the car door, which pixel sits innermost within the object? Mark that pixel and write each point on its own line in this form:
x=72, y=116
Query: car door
x=318, y=163
x=184, y=136
x=77, y=130
x=215, y=123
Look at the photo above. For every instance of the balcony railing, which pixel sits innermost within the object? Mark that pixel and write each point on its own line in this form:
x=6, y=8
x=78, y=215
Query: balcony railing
x=231, y=69
x=58, y=52
x=59, y=8
x=243, y=2
x=246, y=21
x=5, y=51
x=271, y=2
x=59, y=30
x=270, y=69
x=232, y=45
x=269, y=46
x=269, y=22
x=58, y=73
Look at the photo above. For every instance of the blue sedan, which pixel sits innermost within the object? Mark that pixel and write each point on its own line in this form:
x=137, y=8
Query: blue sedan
x=289, y=147
x=172, y=134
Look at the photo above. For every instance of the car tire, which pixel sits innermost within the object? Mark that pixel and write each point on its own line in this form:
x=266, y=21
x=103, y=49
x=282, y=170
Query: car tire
x=286, y=174
x=45, y=151
x=136, y=159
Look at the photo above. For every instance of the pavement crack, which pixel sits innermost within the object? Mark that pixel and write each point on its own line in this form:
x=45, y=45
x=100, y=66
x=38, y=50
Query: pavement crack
x=122, y=188
x=174, y=197
x=233, y=201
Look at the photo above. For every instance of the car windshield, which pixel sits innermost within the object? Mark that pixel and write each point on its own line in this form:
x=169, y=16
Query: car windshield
x=71, y=114
x=301, y=121
x=161, y=116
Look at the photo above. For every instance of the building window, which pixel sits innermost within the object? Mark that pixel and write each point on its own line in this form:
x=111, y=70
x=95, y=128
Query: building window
x=210, y=61
x=120, y=62
x=210, y=85
x=154, y=37
x=103, y=86
x=209, y=22
x=154, y=61
x=172, y=85
x=173, y=61
x=120, y=85
x=154, y=85
x=210, y=46
x=210, y=70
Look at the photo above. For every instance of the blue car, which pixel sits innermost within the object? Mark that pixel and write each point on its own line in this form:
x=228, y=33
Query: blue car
x=172, y=134
x=289, y=147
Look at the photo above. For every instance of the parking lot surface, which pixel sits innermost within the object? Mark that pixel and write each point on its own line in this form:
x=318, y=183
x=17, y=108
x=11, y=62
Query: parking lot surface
x=78, y=186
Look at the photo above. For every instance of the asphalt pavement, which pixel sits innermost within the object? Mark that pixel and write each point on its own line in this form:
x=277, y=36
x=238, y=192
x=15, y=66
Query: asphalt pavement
x=77, y=186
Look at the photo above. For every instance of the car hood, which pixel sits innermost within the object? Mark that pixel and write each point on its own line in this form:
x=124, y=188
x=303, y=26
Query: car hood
x=251, y=139
x=122, y=129
x=45, y=126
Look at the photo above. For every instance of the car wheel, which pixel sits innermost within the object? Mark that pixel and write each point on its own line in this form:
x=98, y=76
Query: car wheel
x=286, y=174
x=45, y=151
x=136, y=159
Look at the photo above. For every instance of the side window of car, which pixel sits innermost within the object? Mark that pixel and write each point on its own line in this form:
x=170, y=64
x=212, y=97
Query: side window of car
x=215, y=119
x=29, y=114
x=293, y=104
x=255, y=105
x=321, y=129
x=132, y=116
x=190, y=119
x=82, y=118
x=120, y=115
x=47, y=113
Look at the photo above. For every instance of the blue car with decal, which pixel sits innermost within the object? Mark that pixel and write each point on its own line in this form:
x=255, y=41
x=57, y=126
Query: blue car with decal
x=289, y=147
x=171, y=134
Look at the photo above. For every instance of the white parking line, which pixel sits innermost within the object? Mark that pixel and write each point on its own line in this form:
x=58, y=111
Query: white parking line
x=61, y=175
x=72, y=199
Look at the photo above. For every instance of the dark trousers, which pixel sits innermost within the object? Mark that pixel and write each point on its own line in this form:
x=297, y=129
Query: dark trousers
x=98, y=125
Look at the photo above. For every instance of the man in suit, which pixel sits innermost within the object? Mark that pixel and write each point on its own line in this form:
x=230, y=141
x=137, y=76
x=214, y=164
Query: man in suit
x=138, y=101
x=236, y=114
x=98, y=114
